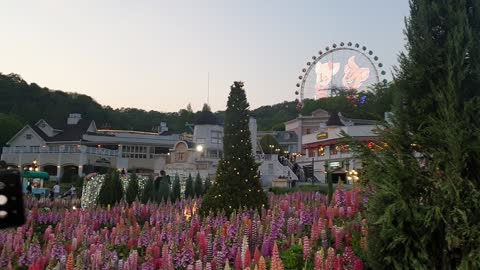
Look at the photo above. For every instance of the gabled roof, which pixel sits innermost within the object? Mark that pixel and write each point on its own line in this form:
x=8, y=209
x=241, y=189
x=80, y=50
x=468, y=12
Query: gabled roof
x=334, y=120
x=28, y=127
x=69, y=133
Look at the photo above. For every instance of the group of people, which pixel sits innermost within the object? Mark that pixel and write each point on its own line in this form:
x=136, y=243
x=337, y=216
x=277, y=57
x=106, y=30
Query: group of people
x=55, y=191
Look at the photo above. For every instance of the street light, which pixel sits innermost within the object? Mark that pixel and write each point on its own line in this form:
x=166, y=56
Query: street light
x=199, y=148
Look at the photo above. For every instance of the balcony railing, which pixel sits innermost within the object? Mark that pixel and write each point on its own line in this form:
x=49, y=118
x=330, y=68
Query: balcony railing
x=325, y=157
x=56, y=149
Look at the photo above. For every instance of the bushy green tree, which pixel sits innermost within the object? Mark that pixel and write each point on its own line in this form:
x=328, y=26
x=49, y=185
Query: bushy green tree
x=198, y=187
x=189, y=191
x=425, y=173
x=176, y=189
x=237, y=183
x=148, y=192
x=132, y=189
x=111, y=191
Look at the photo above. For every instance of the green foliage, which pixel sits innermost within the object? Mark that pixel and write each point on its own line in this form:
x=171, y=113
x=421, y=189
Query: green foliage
x=132, y=189
x=207, y=185
x=111, y=191
x=269, y=144
x=30, y=102
x=148, y=191
x=424, y=211
x=292, y=258
x=198, y=188
x=176, y=189
x=164, y=189
x=237, y=183
x=10, y=124
x=189, y=191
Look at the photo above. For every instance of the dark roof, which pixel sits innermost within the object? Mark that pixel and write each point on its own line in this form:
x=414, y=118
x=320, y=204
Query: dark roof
x=69, y=133
x=334, y=120
x=206, y=118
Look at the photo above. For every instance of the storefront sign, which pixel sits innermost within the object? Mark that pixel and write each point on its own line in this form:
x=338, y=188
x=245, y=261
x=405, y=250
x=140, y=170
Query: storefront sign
x=335, y=164
x=322, y=135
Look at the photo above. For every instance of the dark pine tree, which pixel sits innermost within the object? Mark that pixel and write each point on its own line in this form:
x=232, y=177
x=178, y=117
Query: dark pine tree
x=176, y=189
x=148, y=192
x=132, y=189
x=207, y=185
x=189, y=191
x=237, y=183
x=111, y=191
x=425, y=208
x=198, y=187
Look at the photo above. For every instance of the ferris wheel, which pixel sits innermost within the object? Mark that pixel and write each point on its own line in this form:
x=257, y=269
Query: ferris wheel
x=345, y=67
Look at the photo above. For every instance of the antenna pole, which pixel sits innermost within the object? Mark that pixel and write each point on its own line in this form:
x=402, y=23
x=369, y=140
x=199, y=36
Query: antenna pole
x=208, y=89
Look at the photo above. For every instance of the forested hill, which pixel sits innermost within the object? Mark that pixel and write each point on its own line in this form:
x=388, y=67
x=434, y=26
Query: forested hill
x=21, y=102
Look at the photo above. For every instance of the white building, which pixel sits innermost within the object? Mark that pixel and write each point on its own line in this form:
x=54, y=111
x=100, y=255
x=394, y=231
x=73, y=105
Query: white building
x=78, y=147
x=325, y=150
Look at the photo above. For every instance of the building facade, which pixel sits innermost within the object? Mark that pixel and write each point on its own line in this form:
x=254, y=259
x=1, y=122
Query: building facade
x=325, y=150
x=78, y=147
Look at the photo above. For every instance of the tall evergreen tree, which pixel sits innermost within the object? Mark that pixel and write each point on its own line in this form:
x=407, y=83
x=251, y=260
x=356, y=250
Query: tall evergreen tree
x=111, y=191
x=189, y=191
x=132, y=189
x=176, y=189
x=424, y=212
x=198, y=187
x=237, y=183
x=148, y=192
x=207, y=185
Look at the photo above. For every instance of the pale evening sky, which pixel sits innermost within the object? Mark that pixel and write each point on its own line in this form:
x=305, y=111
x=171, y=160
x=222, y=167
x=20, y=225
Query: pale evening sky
x=156, y=54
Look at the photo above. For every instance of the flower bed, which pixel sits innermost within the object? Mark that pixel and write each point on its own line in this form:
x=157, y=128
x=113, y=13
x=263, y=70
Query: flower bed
x=298, y=229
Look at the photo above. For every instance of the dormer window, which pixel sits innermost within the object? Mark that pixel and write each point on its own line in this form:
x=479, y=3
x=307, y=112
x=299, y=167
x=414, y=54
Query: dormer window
x=28, y=136
x=42, y=125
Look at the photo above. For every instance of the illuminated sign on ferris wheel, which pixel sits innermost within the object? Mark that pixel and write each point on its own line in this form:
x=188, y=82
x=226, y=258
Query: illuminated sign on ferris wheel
x=347, y=67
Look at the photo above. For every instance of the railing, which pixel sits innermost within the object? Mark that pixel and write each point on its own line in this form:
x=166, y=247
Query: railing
x=325, y=157
x=56, y=149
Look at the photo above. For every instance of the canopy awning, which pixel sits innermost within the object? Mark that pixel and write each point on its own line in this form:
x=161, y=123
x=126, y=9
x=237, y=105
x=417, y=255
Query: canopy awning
x=32, y=174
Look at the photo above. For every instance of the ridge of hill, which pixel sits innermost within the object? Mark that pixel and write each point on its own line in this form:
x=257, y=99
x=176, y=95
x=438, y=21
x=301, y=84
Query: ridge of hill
x=23, y=103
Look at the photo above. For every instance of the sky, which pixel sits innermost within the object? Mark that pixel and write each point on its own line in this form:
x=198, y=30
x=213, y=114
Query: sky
x=158, y=55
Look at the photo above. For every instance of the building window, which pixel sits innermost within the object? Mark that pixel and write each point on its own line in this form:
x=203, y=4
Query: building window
x=28, y=136
x=216, y=137
x=321, y=151
x=334, y=149
x=309, y=131
x=311, y=153
x=139, y=152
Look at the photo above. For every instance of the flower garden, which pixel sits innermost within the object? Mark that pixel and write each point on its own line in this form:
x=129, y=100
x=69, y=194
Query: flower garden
x=298, y=231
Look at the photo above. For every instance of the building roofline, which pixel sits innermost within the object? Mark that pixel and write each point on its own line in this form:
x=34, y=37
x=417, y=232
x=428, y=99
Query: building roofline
x=21, y=130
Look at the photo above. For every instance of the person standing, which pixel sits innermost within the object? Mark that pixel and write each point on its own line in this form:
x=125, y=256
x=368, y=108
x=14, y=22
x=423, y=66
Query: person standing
x=56, y=190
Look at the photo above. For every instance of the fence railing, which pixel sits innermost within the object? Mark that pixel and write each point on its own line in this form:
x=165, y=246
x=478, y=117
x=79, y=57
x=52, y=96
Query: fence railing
x=56, y=149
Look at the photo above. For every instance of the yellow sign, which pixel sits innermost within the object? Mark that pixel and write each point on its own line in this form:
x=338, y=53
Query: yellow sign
x=322, y=135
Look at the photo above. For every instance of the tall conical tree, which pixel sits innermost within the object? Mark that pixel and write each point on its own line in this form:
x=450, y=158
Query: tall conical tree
x=237, y=183
x=424, y=212
x=176, y=189
x=148, y=193
x=198, y=187
x=132, y=189
x=189, y=191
